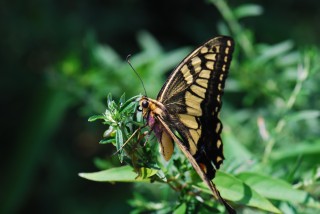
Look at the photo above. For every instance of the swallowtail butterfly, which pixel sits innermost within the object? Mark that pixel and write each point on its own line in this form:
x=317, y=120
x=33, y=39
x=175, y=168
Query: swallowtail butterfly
x=189, y=104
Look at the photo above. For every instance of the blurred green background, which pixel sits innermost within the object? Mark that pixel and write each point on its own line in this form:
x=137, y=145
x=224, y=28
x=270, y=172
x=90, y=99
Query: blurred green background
x=60, y=59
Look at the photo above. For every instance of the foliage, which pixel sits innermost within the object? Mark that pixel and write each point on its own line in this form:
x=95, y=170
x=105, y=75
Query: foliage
x=271, y=133
x=59, y=63
x=104, y=70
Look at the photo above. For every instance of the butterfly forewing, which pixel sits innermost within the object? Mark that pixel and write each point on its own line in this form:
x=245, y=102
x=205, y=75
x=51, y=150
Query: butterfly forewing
x=192, y=98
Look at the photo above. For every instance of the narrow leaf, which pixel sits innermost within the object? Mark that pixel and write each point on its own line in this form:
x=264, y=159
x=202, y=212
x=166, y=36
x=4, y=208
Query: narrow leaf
x=130, y=108
x=182, y=209
x=118, y=174
x=248, y=10
x=96, y=117
x=277, y=189
x=272, y=51
x=304, y=115
x=148, y=43
x=308, y=152
x=109, y=100
x=129, y=102
x=122, y=99
x=119, y=143
x=105, y=141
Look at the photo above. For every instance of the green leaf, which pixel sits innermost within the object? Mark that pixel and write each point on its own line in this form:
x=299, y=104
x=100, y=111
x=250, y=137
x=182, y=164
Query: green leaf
x=304, y=115
x=233, y=189
x=129, y=105
x=277, y=189
x=129, y=109
x=308, y=152
x=122, y=99
x=148, y=43
x=181, y=209
x=272, y=51
x=235, y=149
x=109, y=100
x=119, y=143
x=246, y=10
x=107, y=57
x=118, y=174
x=105, y=141
x=96, y=117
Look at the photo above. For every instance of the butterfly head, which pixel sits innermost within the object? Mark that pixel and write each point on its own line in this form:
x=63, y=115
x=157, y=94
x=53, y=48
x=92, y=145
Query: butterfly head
x=147, y=106
x=144, y=103
x=144, y=106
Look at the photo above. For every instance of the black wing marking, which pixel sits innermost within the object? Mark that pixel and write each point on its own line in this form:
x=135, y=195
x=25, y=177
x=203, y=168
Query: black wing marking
x=192, y=97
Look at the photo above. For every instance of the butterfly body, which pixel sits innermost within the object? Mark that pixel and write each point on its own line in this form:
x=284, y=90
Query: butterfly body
x=189, y=104
x=152, y=111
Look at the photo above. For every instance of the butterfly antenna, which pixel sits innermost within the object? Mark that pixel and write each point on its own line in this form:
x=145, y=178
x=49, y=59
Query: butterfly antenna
x=128, y=61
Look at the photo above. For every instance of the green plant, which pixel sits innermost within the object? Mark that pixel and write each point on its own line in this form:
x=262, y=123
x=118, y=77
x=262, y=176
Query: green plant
x=125, y=134
x=271, y=136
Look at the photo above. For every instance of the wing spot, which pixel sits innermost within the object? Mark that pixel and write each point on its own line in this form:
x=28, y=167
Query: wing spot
x=229, y=43
x=210, y=57
x=186, y=74
x=218, y=128
x=219, y=98
x=217, y=49
x=224, y=68
x=203, y=168
x=219, y=159
x=195, y=138
x=219, y=143
x=194, y=112
x=205, y=74
x=193, y=102
x=204, y=50
x=210, y=65
x=198, y=90
x=226, y=58
x=196, y=61
x=189, y=121
x=202, y=82
x=219, y=87
x=197, y=68
x=221, y=77
x=226, y=51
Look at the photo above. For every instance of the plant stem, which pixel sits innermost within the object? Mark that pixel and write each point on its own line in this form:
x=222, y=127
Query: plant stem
x=302, y=74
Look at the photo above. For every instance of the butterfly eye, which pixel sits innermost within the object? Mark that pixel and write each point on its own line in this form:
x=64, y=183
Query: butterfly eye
x=145, y=104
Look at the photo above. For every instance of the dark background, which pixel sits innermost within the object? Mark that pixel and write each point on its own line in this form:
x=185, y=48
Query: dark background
x=45, y=137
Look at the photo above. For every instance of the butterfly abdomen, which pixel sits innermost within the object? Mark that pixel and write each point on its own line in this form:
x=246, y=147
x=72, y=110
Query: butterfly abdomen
x=152, y=110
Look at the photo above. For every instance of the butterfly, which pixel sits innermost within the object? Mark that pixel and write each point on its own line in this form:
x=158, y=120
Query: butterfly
x=187, y=108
